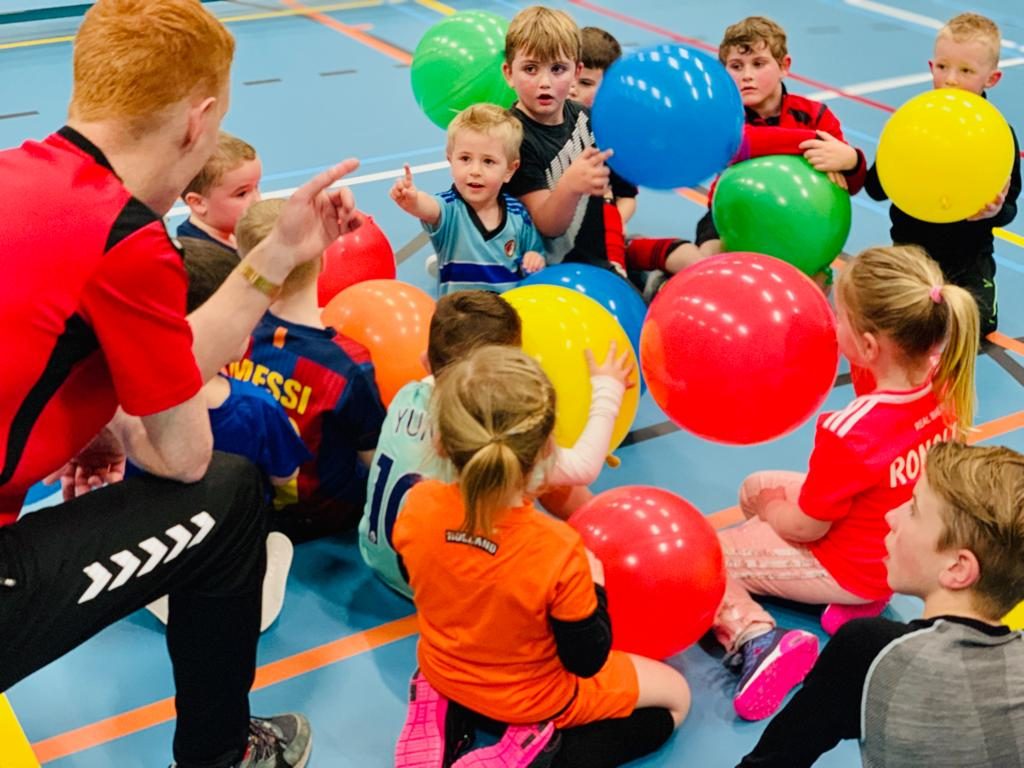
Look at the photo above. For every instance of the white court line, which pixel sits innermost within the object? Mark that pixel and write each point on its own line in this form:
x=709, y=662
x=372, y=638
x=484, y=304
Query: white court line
x=366, y=178
x=914, y=18
x=889, y=83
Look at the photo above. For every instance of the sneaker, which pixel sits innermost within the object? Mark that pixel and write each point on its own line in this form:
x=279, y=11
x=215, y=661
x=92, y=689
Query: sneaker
x=773, y=664
x=522, y=746
x=656, y=278
x=284, y=741
x=835, y=615
x=422, y=742
x=279, y=561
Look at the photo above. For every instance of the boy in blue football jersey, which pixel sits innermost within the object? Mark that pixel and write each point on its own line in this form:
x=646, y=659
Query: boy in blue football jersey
x=406, y=453
x=484, y=238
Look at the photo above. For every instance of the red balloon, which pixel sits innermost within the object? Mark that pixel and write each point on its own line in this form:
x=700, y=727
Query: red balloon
x=362, y=254
x=663, y=565
x=740, y=348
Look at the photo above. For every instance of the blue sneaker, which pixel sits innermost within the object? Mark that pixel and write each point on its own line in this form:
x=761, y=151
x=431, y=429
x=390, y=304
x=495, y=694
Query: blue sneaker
x=773, y=664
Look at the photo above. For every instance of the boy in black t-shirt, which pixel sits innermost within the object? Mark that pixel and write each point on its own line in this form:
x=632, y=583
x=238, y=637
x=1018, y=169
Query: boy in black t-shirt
x=562, y=179
x=966, y=56
x=946, y=690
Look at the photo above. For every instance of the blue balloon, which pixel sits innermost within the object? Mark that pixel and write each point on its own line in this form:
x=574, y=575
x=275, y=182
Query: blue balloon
x=672, y=115
x=609, y=290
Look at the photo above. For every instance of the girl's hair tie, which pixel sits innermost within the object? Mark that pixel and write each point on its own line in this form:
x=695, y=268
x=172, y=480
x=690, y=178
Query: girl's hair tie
x=936, y=294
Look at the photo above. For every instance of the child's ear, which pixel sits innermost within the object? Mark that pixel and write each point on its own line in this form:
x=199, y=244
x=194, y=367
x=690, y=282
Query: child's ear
x=425, y=362
x=787, y=62
x=512, y=168
x=869, y=347
x=506, y=70
x=962, y=572
x=196, y=202
x=579, y=71
x=994, y=78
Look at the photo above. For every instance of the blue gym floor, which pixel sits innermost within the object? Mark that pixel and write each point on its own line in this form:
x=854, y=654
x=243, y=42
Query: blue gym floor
x=308, y=92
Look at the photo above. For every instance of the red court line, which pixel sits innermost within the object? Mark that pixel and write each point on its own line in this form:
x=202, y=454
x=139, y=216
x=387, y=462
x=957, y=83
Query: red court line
x=353, y=32
x=1006, y=342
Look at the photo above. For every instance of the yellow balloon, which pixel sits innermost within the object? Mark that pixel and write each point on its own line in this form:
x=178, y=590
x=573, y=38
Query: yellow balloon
x=558, y=324
x=945, y=155
x=1015, y=618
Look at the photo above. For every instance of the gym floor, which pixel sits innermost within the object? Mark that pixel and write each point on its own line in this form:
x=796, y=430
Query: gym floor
x=316, y=82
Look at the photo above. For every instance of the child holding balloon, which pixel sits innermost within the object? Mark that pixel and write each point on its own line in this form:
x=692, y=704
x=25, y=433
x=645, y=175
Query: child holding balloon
x=405, y=454
x=966, y=56
x=484, y=238
x=325, y=383
x=818, y=537
x=512, y=613
x=563, y=180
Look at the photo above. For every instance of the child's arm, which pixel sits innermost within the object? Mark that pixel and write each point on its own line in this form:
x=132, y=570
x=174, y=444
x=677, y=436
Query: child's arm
x=829, y=154
x=424, y=207
x=582, y=644
x=788, y=520
x=827, y=708
x=1003, y=209
x=873, y=185
x=552, y=209
x=627, y=207
x=581, y=464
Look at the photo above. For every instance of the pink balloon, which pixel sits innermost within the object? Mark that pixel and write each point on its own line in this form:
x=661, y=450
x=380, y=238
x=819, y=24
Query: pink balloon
x=664, y=570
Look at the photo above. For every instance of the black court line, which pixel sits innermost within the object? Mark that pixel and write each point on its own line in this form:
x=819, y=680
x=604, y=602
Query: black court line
x=18, y=114
x=338, y=72
x=262, y=82
x=1005, y=361
x=410, y=248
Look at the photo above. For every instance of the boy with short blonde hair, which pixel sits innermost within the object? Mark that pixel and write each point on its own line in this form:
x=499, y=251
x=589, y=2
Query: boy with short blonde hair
x=563, y=180
x=484, y=239
x=946, y=690
x=966, y=56
x=325, y=383
x=222, y=191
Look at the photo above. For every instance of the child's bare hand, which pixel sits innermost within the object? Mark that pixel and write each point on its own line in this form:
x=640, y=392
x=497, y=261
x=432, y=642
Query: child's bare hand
x=404, y=192
x=533, y=262
x=596, y=568
x=994, y=207
x=838, y=179
x=588, y=174
x=827, y=153
x=619, y=367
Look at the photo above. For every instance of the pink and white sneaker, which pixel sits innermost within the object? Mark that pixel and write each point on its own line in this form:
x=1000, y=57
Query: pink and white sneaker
x=422, y=743
x=773, y=664
x=835, y=615
x=522, y=746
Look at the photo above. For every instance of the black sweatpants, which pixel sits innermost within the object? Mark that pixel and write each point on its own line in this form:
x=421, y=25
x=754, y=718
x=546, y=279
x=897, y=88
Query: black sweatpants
x=69, y=571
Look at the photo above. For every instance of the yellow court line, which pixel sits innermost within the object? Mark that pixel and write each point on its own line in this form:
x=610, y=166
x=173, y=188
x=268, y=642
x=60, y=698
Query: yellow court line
x=16, y=751
x=1008, y=236
x=434, y=5
x=351, y=5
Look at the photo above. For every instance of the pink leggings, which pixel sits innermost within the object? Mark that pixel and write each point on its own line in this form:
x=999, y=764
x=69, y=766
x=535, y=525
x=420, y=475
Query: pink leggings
x=759, y=561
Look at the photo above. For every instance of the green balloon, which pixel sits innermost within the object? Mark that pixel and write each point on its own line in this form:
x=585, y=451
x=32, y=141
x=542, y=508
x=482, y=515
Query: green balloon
x=458, y=63
x=780, y=206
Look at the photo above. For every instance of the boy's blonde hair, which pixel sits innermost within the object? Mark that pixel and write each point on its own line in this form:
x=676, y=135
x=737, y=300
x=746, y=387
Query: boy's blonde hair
x=493, y=412
x=974, y=26
x=544, y=34
x=465, y=320
x=983, y=511
x=748, y=34
x=489, y=120
x=900, y=292
x=253, y=228
x=135, y=58
x=599, y=49
x=230, y=153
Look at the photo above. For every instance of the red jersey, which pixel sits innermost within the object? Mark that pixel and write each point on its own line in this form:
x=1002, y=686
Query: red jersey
x=865, y=462
x=92, y=306
x=799, y=119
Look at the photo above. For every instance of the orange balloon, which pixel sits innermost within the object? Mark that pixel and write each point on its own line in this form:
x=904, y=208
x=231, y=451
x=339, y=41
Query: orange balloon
x=392, y=320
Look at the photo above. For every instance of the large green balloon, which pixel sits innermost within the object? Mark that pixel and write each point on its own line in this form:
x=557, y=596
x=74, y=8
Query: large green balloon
x=780, y=206
x=458, y=64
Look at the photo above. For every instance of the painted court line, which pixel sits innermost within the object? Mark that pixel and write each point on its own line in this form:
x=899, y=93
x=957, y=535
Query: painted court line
x=929, y=22
x=351, y=32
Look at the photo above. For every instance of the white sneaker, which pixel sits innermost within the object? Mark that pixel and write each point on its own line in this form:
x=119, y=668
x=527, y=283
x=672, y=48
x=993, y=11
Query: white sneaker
x=431, y=265
x=279, y=561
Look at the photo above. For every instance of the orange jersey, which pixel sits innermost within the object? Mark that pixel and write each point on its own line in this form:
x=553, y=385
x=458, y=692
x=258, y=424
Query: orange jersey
x=484, y=602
